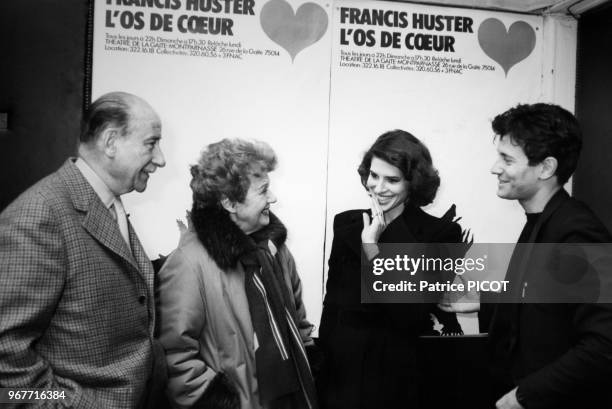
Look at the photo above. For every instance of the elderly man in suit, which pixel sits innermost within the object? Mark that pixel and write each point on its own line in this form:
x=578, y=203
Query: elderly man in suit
x=77, y=311
x=557, y=354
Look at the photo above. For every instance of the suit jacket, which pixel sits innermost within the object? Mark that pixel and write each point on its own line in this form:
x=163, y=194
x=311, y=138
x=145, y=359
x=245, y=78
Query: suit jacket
x=559, y=355
x=76, y=306
x=370, y=349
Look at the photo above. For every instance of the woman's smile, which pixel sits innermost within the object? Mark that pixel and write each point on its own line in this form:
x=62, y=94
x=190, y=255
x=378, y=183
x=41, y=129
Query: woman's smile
x=388, y=185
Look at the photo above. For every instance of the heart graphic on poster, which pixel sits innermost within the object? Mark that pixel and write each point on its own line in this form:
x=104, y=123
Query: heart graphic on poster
x=293, y=31
x=507, y=48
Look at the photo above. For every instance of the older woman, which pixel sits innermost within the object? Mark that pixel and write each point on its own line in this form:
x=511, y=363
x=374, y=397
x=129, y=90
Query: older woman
x=371, y=348
x=232, y=319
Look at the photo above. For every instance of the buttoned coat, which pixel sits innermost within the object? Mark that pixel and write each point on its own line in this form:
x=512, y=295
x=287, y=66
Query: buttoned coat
x=76, y=306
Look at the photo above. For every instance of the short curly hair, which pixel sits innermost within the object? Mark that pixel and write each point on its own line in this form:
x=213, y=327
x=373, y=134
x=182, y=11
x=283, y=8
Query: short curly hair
x=407, y=153
x=224, y=167
x=543, y=130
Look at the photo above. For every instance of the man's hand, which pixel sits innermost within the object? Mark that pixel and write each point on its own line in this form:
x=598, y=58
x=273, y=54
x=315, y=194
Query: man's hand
x=509, y=401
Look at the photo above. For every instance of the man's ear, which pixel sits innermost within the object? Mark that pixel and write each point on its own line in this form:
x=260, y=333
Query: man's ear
x=549, y=167
x=108, y=140
x=228, y=205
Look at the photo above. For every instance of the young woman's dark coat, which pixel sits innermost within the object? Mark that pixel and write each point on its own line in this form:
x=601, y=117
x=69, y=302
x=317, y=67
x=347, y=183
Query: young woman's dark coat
x=370, y=349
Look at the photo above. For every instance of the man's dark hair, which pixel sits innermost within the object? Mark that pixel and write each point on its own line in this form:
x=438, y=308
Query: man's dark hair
x=407, y=153
x=543, y=130
x=112, y=109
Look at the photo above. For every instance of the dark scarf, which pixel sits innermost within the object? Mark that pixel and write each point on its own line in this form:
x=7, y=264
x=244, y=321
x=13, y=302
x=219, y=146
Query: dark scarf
x=283, y=374
x=224, y=240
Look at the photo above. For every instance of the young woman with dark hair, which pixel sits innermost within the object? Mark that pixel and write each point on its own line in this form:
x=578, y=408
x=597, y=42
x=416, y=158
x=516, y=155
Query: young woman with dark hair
x=370, y=349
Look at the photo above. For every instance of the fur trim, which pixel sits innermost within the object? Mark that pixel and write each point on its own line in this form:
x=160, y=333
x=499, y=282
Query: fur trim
x=224, y=240
x=220, y=394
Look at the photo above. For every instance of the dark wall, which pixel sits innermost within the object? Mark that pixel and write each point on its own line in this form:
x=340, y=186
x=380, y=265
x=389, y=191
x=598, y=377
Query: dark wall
x=593, y=178
x=42, y=72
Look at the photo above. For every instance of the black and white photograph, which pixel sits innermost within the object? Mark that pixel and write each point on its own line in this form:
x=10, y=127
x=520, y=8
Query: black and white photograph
x=306, y=204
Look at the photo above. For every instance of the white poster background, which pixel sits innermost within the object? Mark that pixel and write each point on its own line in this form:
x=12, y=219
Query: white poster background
x=205, y=96
x=450, y=112
x=247, y=85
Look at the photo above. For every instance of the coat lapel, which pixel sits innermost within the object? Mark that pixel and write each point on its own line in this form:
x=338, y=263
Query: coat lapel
x=552, y=205
x=404, y=228
x=101, y=225
x=97, y=221
x=521, y=258
x=352, y=229
x=139, y=254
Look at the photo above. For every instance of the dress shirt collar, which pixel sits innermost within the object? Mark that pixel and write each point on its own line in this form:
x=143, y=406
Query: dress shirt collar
x=104, y=193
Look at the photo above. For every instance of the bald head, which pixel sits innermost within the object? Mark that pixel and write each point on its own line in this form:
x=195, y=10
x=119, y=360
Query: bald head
x=120, y=141
x=115, y=109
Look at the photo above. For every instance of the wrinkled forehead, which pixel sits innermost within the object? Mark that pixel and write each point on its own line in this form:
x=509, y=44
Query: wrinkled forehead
x=148, y=123
x=142, y=112
x=258, y=170
x=259, y=178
